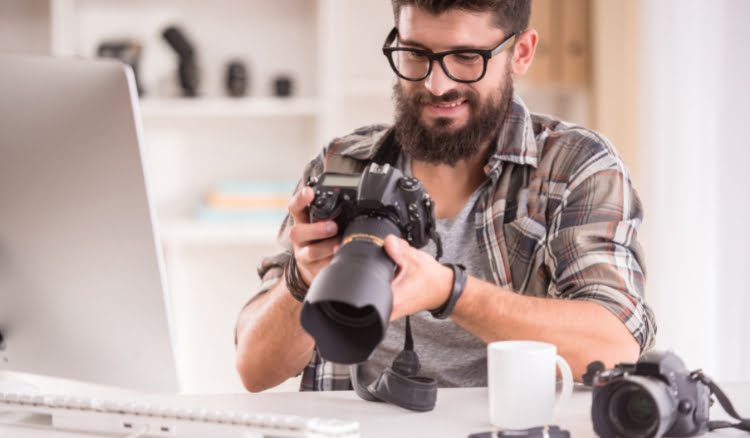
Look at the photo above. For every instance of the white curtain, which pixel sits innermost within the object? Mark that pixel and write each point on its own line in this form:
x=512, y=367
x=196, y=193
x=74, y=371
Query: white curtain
x=695, y=165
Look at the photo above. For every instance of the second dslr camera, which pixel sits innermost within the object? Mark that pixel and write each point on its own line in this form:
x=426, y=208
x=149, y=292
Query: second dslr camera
x=657, y=396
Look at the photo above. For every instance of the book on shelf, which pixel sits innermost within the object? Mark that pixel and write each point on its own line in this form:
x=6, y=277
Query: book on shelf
x=246, y=201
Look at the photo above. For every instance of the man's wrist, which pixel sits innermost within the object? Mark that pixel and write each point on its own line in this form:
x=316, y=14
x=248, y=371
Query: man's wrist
x=294, y=282
x=457, y=288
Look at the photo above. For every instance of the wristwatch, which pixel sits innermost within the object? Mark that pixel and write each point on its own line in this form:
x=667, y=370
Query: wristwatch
x=459, y=283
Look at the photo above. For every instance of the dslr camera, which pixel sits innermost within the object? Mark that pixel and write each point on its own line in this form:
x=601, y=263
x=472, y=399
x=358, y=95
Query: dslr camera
x=657, y=396
x=348, y=306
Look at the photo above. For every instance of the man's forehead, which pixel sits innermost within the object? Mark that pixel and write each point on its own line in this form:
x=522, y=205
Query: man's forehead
x=454, y=27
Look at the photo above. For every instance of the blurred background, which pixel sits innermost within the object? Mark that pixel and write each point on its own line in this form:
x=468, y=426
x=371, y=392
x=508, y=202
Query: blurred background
x=665, y=80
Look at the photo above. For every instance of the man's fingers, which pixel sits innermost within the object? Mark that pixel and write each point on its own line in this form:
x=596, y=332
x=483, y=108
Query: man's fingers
x=318, y=266
x=299, y=203
x=316, y=252
x=301, y=234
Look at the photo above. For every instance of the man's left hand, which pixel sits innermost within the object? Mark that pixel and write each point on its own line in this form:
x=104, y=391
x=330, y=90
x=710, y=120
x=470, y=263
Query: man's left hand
x=421, y=282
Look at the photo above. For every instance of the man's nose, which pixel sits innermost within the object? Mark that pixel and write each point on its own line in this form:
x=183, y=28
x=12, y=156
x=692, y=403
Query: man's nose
x=438, y=83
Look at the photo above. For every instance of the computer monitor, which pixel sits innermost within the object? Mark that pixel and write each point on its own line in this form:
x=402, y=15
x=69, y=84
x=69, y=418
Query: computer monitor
x=82, y=290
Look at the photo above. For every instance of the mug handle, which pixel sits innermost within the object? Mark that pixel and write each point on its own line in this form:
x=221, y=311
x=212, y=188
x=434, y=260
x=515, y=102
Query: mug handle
x=567, y=384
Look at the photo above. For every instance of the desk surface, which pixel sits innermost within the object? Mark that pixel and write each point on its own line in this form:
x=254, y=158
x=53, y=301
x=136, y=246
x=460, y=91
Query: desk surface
x=459, y=412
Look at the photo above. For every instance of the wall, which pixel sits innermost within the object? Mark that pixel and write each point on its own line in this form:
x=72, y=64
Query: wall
x=694, y=156
x=30, y=34
x=616, y=51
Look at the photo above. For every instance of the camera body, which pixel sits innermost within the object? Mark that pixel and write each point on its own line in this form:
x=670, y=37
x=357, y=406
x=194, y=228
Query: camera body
x=348, y=305
x=657, y=396
x=380, y=191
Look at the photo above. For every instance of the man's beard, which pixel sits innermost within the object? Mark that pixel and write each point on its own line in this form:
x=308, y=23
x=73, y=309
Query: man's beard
x=439, y=144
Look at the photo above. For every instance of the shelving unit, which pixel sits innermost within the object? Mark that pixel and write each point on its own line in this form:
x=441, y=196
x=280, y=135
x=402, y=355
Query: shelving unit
x=193, y=232
x=230, y=108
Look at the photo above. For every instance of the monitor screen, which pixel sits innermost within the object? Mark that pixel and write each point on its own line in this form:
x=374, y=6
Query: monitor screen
x=82, y=291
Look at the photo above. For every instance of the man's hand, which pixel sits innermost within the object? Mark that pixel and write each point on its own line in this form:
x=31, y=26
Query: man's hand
x=314, y=244
x=421, y=283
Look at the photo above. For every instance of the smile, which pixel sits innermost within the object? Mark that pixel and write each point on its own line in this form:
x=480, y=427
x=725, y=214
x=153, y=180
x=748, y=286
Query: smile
x=446, y=109
x=449, y=105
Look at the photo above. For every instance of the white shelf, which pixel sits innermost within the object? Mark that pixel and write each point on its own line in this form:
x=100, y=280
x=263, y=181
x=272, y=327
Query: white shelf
x=222, y=107
x=194, y=232
x=367, y=88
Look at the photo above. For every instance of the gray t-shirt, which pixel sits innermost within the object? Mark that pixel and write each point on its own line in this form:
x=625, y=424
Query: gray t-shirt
x=453, y=356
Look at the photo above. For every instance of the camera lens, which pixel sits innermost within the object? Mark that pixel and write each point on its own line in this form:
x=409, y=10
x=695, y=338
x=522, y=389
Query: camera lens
x=350, y=316
x=640, y=409
x=348, y=305
x=633, y=412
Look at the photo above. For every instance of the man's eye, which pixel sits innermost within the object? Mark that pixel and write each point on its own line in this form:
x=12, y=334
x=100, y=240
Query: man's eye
x=415, y=56
x=467, y=58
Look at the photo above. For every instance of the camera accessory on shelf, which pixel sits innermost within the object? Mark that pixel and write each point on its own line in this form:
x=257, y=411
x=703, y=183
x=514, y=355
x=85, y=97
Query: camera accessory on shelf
x=188, y=69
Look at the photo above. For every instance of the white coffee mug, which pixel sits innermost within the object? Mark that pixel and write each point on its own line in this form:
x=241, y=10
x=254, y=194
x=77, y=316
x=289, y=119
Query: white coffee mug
x=521, y=378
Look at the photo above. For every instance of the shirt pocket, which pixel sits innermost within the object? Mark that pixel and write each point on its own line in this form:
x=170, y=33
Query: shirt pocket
x=525, y=237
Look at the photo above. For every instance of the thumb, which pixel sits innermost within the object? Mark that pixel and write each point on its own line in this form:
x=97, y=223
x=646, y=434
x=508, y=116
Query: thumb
x=397, y=249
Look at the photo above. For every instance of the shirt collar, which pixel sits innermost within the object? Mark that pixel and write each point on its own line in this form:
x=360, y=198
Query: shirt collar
x=516, y=142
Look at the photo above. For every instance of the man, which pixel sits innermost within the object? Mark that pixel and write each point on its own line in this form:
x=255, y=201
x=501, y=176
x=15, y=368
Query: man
x=542, y=214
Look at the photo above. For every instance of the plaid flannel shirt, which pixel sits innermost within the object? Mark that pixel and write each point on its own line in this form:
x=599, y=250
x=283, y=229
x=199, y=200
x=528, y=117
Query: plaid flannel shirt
x=560, y=221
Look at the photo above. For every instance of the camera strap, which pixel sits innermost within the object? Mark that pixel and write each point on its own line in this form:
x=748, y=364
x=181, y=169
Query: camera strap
x=744, y=423
x=399, y=384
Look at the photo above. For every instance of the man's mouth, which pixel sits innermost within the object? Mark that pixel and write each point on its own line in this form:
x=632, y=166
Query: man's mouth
x=446, y=109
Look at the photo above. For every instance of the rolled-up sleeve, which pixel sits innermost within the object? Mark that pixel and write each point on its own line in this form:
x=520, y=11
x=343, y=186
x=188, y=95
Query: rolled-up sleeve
x=594, y=253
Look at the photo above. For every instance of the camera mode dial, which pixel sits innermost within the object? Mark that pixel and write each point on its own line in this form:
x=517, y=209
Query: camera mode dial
x=409, y=184
x=324, y=204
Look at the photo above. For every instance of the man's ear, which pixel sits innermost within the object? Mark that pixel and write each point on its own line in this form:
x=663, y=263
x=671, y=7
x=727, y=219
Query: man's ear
x=523, y=51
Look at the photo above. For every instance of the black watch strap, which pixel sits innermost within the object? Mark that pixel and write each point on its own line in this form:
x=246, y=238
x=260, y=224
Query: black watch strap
x=459, y=283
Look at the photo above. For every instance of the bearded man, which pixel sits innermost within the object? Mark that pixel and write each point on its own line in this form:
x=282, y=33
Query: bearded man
x=541, y=213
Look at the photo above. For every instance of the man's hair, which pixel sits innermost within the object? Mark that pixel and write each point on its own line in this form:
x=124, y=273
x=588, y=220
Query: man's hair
x=510, y=15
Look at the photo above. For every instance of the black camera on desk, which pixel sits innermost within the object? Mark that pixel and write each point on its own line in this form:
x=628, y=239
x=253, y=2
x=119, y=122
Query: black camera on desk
x=348, y=305
x=657, y=396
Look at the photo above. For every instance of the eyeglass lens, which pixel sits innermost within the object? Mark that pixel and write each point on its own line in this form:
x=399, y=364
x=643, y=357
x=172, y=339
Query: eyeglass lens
x=464, y=66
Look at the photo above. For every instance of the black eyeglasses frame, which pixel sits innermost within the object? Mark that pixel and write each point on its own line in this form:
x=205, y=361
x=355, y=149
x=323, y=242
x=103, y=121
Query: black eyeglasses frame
x=432, y=57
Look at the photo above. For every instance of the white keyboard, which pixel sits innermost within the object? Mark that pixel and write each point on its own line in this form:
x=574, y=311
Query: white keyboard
x=140, y=419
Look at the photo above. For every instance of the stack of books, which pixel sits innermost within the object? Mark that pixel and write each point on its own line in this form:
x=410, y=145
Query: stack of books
x=247, y=201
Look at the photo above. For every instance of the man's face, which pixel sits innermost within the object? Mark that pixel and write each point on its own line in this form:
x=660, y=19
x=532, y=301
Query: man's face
x=439, y=120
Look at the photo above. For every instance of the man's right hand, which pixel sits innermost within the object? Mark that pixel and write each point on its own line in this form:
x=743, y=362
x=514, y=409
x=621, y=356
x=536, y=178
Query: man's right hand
x=314, y=244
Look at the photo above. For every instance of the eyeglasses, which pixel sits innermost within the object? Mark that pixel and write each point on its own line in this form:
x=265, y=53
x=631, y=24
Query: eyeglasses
x=461, y=65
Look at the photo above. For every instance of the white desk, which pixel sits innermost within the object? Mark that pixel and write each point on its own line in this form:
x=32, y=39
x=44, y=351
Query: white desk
x=459, y=412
